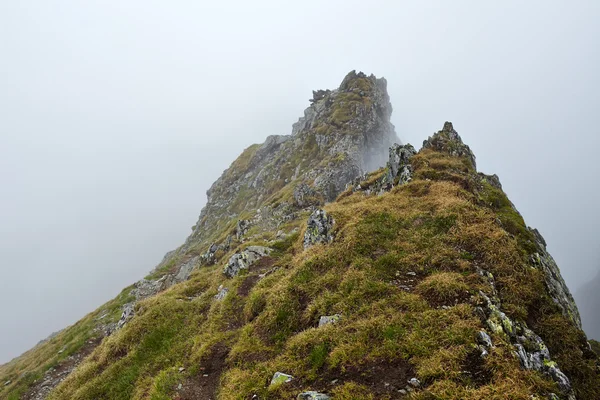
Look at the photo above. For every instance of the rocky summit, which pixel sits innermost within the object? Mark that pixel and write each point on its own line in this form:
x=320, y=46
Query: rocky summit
x=335, y=263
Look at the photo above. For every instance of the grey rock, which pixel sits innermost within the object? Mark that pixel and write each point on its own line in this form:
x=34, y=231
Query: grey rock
x=414, y=382
x=530, y=349
x=349, y=148
x=280, y=377
x=318, y=228
x=245, y=259
x=222, y=293
x=491, y=179
x=555, y=283
x=7, y=383
x=304, y=196
x=126, y=315
x=484, y=339
x=329, y=319
x=399, y=169
x=560, y=378
x=522, y=355
x=311, y=395
x=145, y=288
x=186, y=269
x=242, y=227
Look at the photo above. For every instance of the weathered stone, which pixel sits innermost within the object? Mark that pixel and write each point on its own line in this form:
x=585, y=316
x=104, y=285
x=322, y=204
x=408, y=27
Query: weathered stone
x=222, y=293
x=304, y=196
x=399, y=169
x=126, y=315
x=491, y=179
x=310, y=395
x=329, y=319
x=280, y=377
x=186, y=269
x=484, y=339
x=325, y=151
x=414, y=382
x=530, y=349
x=241, y=228
x=318, y=228
x=244, y=259
x=557, y=288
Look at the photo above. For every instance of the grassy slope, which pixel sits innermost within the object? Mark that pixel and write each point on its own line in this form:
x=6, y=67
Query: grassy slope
x=440, y=226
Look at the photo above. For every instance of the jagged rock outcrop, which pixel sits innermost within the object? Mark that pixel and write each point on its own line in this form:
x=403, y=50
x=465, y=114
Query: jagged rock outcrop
x=529, y=347
x=557, y=288
x=319, y=228
x=448, y=141
x=344, y=133
x=244, y=259
x=399, y=170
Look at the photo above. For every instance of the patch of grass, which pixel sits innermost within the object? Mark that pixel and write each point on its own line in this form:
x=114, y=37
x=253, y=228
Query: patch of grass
x=443, y=287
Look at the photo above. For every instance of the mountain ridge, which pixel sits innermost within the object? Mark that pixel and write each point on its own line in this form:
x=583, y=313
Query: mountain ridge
x=308, y=276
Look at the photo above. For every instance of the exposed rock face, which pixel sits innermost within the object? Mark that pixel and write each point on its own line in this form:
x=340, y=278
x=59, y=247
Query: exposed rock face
x=318, y=228
x=343, y=133
x=557, y=288
x=244, y=259
x=529, y=347
x=399, y=169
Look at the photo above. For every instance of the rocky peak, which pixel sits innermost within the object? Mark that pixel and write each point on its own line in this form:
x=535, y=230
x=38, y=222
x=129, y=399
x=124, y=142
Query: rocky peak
x=449, y=141
x=343, y=133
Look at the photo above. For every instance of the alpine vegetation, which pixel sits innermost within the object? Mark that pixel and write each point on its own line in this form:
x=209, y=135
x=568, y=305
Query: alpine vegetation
x=335, y=263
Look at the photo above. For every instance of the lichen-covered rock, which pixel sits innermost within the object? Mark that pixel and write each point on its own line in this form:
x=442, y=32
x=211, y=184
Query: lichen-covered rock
x=186, y=269
x=557, y=288
x=241, y=228
x=310, y=395
x=448, y=141
x=399, y=170
x=530, y=349
x=319, y=228
x=343, y=133
x=280, y=378
x=145, y=288
x=244, y=259
x=126, y=315
x=329, y=319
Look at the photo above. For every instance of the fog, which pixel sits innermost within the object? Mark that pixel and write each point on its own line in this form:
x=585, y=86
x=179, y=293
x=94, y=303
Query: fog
x=116, y=116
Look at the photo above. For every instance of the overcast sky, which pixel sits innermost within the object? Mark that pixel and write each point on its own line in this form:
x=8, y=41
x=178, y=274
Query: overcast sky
x=116, y=116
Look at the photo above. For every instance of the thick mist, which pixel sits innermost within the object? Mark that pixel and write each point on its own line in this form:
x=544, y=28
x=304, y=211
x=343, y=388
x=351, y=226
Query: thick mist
x=117, y=116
